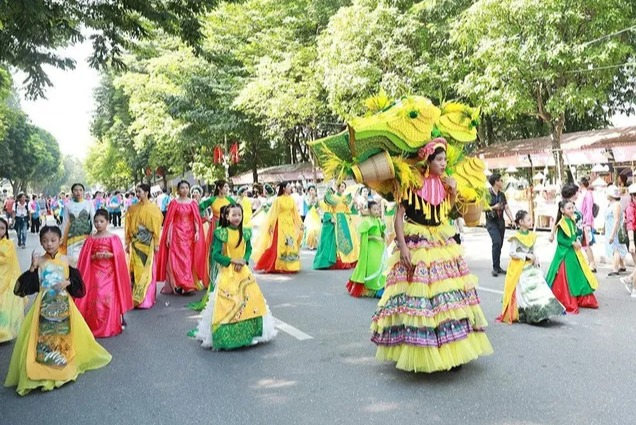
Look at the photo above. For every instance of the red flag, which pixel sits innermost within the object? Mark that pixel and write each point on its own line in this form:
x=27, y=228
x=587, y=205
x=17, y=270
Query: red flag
x=218, y=154
x=234, y=153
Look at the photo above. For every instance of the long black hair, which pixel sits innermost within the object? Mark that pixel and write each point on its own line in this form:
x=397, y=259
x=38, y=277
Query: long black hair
x=6, y=227
x=224, y=220
x=218, y=186
x=145, y=187
x=562, y=204
x=281, y=188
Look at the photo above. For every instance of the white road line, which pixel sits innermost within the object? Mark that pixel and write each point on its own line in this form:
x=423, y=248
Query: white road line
x=494, y=291
x=296, y=333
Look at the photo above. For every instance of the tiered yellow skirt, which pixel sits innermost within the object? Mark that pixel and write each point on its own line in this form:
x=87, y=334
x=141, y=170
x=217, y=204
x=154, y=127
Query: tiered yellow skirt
x=429, y=318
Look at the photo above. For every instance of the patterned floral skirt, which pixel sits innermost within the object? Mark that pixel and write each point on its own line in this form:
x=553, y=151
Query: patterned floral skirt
x=429, y=318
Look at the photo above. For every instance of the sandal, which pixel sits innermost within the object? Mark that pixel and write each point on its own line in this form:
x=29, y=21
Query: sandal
x=622, y=269
x=593, y=270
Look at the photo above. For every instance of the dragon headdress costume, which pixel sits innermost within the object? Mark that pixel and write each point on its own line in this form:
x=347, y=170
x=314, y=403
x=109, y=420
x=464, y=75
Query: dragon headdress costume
x=385, y=148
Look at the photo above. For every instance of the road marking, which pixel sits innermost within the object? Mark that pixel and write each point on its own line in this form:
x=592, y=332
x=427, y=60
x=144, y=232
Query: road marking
x=289, y=329
x=494, y=291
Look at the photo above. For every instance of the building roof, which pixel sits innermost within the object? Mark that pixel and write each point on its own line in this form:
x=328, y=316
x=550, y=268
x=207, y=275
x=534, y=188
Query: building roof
x=279, y=173
x=584, y=147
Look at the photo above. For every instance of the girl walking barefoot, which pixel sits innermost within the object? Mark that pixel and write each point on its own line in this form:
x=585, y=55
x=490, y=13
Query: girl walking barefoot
x=368, y=279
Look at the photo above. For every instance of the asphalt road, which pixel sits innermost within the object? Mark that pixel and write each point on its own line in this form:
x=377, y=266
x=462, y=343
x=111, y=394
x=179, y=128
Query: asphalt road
x=575, y=370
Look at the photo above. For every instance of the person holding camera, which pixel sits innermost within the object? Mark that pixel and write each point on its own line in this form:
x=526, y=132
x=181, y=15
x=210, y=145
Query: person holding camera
x=495, y=223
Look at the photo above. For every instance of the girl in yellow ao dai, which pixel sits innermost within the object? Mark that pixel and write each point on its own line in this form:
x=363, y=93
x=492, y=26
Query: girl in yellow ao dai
x=236, y=314
x=55, y=345
x=11, y=306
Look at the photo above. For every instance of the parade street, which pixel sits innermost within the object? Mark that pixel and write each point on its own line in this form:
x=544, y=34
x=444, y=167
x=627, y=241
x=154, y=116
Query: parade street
x=321, y=368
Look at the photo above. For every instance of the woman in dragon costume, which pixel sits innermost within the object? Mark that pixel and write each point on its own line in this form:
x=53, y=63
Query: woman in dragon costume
x=428, y=318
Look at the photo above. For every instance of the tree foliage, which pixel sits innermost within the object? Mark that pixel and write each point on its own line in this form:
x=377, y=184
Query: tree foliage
x=28, y=154
x=30, y=32
x=273, y=75
x=544, y=58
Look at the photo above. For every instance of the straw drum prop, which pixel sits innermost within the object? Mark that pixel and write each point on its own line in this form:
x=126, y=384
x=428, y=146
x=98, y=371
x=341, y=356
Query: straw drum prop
x=471, y=213
x=471, y=189
x=376, y=169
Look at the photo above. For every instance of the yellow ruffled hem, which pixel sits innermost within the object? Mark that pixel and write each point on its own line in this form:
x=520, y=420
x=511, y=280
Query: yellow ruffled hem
x=433, y=359
x=474, y=314
x=423, y=290
x=429, y=255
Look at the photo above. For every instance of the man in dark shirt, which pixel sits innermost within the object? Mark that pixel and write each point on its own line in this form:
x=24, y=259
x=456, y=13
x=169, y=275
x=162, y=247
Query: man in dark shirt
x=495, y=223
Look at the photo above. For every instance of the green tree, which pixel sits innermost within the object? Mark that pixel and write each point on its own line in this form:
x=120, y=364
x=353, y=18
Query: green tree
x=71, y=171
x=368, y=45
x=28, y=154
x=30, y=32
x=546, y=59
x=114, y=141
x=106, y=165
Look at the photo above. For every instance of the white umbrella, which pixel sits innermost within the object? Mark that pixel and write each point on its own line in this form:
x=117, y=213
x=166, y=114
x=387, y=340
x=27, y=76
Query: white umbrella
x=538, y=176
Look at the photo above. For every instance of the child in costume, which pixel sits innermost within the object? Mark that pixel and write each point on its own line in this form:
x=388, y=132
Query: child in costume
x=527, y=297
x=11, y=306
x=54, y=345
x=236, y=313
x=102, y=263
x=219, y=199
x=569, y=277
x=368, y=279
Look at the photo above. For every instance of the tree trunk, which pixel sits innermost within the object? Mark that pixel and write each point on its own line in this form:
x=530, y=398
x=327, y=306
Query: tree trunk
x=255, y=171
x=490, y=133
x=481, y=135
x=556, y=133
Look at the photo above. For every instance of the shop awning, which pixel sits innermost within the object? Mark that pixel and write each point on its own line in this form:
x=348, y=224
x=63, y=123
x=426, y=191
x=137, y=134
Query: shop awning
x=585, y=147
x=288, y=172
